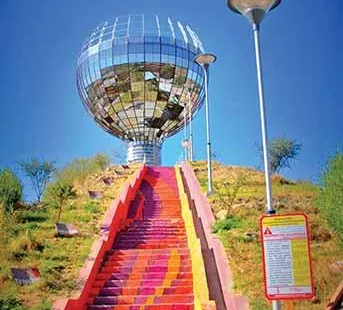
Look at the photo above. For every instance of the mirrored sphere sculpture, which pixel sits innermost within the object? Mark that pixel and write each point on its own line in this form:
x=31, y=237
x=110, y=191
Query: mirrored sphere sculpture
x=137, y=79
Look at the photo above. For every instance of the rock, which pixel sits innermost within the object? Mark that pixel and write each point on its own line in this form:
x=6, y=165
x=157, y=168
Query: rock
x=251, y=236
x=96, y=194
x=25, y=275
x=66, y=230
x=336, y=267
x=238, y=205
x=221, y=215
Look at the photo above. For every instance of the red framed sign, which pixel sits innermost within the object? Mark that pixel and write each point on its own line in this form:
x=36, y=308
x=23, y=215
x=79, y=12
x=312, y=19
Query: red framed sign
x=286, y=257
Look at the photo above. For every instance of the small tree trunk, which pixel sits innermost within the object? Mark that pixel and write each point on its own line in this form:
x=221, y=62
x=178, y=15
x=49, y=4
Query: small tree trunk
x=228, y=209
x=59, y=213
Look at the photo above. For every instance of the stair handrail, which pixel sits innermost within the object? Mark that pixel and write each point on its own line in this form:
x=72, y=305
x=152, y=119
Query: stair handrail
x=200, y=283
x=204, y=212
x=115, y=219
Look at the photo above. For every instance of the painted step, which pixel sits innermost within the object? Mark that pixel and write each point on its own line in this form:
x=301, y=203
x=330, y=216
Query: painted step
x=144, y=276
x=173, y=306
x=153, y=237
x=147, y=246
x=145, y=269
x=142, y=300
x=156, y=226
x=141, y=283
x=156, y=220
x=144, y=263
x=147, y=290
x=144, y=258
x=159, y=243
x=153, y=221
x=158, y=234
x=184, y=250
x=143, y=233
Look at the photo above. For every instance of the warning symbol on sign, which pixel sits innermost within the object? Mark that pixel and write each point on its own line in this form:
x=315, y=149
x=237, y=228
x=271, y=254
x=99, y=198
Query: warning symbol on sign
x=267, y=231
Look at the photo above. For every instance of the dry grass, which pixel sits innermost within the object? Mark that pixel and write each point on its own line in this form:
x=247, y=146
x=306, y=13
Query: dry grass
x=245, y=253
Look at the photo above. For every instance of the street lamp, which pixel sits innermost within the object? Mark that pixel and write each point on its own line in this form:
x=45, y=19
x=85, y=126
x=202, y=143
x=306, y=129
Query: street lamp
x=185, y=140
x=190, y=126
x=254, y=11
x=204, y=60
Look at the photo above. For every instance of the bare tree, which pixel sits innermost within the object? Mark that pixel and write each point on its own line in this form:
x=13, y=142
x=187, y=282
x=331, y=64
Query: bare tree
x=282, y=151
x=39, y=173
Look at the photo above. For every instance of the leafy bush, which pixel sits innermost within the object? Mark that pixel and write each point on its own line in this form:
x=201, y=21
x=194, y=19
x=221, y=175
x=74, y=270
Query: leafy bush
x=23, y=244
x=10, y=303
x=33, y=216
x=330, y=200
x=226, y=224
x=11, y=190
x=8, y=226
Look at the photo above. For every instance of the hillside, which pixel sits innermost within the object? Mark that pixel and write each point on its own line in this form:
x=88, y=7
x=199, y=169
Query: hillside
x=239, y=233
x=28, y=239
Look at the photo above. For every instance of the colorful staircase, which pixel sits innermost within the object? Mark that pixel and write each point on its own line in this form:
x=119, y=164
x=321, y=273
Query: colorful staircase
x=149, y=265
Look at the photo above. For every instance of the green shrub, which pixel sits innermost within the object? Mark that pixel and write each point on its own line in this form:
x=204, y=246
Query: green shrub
x=21, y=246
x=33, y=216
x=59, y=193
x=11, y=190
x=226, y=224
x=92, y=207
x=10, y=303
x=330, y=200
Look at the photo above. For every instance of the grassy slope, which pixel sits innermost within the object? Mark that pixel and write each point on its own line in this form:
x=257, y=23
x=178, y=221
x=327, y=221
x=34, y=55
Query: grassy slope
x=245, y=254
x=32, y=242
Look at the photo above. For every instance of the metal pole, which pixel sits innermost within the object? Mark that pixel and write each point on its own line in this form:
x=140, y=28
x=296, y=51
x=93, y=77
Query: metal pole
x=185, y=132
x=276, y=304
x=209, y=163
x=190, y=129
x=270, y=209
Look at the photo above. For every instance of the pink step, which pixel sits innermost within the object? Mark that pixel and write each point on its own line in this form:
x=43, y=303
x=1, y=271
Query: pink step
x=141, y=299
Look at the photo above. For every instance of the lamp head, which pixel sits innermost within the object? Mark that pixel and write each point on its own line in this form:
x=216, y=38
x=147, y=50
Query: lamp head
x=205, y=59
x=253, y=10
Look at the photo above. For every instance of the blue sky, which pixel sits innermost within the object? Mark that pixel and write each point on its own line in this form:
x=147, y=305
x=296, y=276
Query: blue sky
x=302, y=45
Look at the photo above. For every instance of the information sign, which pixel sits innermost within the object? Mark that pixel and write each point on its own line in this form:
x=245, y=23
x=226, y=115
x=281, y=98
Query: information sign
x=286, y=257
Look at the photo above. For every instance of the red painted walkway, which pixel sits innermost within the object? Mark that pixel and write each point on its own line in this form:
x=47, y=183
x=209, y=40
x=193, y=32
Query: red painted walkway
x=149, y=265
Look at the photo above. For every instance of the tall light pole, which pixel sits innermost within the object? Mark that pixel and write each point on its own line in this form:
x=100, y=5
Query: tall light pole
x=190, y=126
x=254, y=11
x=185, y=141
x=204, y=60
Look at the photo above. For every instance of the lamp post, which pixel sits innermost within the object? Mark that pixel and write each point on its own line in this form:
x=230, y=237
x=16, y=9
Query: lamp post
x=204, y=60
x=185, y=140
x=254, y=11
x=190, y=126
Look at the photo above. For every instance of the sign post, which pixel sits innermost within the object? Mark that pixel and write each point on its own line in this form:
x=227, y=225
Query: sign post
x=286, y=257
